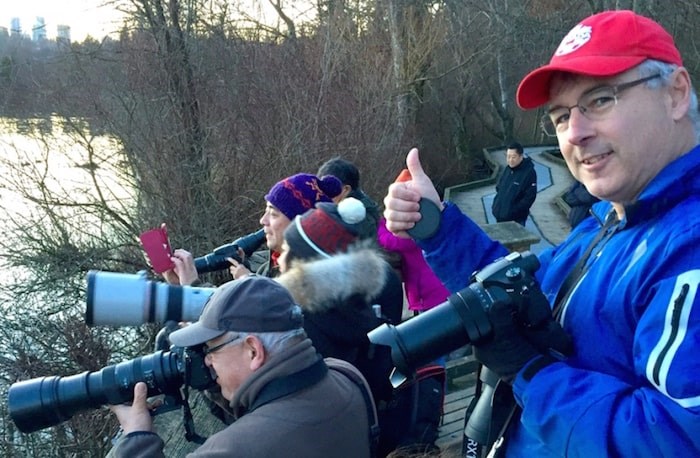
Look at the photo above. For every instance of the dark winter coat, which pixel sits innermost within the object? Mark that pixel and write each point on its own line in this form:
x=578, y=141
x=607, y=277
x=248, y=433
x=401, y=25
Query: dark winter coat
x=579, y=201
x=515, y=192
x=368, y=226
x=336, y=295
x=261, y=263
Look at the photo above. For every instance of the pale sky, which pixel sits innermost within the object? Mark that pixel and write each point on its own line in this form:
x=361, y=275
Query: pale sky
x=94, y=18
x=83, y=16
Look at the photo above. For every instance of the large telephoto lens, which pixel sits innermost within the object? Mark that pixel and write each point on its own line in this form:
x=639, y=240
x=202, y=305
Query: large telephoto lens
x=463, y=318
x=457, y=322
x=47, y=401
x=118, y=299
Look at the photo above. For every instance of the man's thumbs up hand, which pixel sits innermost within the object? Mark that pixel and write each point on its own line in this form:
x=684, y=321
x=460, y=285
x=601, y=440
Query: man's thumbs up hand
x=401, y=202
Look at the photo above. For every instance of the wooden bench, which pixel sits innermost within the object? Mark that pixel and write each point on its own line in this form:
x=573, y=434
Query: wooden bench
x=511, y=234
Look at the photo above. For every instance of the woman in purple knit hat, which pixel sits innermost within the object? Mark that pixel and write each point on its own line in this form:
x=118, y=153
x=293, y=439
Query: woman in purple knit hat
x=288, y=198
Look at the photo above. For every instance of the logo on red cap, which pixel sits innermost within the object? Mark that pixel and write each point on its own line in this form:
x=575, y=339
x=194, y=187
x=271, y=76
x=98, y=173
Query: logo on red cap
x=577, y=37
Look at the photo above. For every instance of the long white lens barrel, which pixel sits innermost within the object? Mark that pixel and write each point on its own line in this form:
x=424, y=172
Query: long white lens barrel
x=119, y=299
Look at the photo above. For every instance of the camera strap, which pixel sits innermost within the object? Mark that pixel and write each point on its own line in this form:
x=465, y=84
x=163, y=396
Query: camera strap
x=188, y=420
x=497, y=446
x=372, y=417
x=487, y=419
x=604, y=234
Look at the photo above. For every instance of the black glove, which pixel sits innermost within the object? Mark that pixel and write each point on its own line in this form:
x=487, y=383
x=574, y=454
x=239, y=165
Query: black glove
x=508, y=350
x=523, y=328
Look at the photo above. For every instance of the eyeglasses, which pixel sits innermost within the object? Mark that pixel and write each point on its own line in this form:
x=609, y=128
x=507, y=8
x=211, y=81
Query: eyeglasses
x=209, y=350
x=594, y=105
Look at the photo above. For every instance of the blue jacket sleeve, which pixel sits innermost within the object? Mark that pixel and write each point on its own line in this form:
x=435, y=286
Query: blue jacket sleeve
x=459, y=248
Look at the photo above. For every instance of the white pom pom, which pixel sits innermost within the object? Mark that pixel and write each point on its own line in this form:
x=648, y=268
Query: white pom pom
x=351, y=210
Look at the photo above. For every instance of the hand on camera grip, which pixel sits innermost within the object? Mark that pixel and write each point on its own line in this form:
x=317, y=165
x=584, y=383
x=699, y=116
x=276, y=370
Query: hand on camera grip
x=539, y=327
x=508, y=350
x=514, y=344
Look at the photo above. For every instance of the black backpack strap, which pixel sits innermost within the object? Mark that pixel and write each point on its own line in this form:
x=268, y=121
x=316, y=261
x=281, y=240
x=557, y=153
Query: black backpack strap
x=356, y=377
x=423, y=373
x=291, y=383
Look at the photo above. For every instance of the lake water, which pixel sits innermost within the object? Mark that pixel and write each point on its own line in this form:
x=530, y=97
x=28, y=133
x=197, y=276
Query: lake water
x=59, y=161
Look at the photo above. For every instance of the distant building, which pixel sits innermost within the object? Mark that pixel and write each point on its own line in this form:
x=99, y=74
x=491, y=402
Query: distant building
x=15, y=26
x=63, y=33
x=39, y=29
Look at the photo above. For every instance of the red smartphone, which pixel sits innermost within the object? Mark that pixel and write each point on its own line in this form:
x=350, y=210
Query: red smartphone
x=157, y=247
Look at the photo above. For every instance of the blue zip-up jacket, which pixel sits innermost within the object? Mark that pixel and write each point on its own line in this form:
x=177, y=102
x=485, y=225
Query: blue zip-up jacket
x=632, y=387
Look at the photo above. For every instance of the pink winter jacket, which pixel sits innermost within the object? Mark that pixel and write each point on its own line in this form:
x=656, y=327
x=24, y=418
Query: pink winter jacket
x=423, y=289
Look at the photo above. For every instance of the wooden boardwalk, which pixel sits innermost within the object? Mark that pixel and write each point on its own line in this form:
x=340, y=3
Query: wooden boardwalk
x=547, y=220
x=453, y=418
x=461, y=379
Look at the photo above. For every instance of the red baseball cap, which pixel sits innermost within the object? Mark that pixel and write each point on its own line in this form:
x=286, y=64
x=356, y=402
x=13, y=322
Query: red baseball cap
x=601, y=45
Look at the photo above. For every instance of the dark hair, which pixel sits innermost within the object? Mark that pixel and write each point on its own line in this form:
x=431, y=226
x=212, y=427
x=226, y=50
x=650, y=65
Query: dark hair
x=516, y=146
x=344, y=170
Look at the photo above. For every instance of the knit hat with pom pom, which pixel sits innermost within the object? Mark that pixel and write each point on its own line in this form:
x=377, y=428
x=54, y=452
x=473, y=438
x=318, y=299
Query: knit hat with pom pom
x=296, y=194
x=324, y=230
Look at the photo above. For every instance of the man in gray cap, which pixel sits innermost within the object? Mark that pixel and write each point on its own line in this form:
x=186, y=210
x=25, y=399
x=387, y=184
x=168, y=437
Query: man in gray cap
x=284, y=398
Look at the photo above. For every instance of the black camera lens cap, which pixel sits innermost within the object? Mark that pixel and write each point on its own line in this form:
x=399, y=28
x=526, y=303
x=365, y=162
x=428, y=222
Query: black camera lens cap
x=429, y=223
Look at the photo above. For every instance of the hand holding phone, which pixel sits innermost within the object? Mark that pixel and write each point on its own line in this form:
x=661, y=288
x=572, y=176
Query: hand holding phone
x=156, y=244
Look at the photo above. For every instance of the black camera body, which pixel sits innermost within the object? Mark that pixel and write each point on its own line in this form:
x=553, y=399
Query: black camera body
x=47, y=401
x=217, y=259
x=463, y=318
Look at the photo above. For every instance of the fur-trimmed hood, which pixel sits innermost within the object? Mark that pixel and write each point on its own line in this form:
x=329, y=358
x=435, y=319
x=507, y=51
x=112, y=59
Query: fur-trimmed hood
x=322, y=284
x=337, y=295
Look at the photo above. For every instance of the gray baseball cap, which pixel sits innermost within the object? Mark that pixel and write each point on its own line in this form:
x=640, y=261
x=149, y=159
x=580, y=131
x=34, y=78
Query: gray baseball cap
x=250, y=304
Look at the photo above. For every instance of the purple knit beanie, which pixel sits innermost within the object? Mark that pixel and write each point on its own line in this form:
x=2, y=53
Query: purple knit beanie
x=298, y=193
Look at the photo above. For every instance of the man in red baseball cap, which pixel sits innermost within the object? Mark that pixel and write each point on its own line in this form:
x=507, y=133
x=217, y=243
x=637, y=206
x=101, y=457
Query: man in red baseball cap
x=625, y=285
